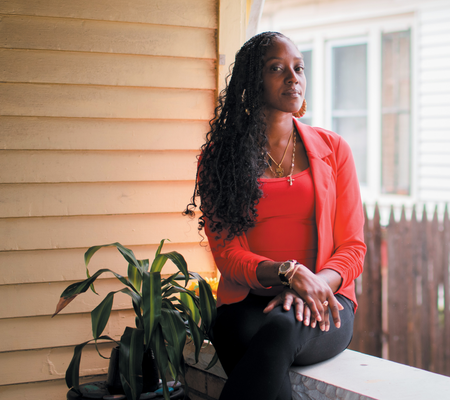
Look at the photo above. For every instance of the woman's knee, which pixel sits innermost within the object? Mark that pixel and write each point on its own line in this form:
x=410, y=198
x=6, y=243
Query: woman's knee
x=281, y=323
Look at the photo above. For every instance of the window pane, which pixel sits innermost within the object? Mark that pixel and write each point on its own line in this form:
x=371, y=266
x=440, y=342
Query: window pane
x=354, y=131
x=349, y=101
x=307, y=58
x=350, y=77
x=396, y=84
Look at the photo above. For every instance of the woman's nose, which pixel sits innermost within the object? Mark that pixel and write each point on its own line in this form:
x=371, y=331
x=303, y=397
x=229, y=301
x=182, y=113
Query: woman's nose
x=291, y=76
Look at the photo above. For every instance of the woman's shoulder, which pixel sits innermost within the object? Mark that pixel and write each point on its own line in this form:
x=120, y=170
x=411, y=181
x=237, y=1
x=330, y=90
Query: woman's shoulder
x=322, y=132
x=330, y=139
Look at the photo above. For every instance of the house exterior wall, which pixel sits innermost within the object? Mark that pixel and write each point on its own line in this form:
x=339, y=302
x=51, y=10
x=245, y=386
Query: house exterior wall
x=317, y=22
x=103, y=107
x=433, y=98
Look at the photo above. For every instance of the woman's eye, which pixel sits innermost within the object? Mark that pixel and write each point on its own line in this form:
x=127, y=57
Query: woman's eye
x=276, y=68
x=300, y=68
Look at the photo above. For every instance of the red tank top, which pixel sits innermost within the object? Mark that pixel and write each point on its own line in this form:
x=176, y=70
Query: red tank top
x=286, y=226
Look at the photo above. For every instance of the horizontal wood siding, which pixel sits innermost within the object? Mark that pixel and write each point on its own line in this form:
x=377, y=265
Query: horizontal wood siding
x=103, y=108
x=43, y=266
x=43, y=100
x=82, y=231
x=198, y=13
x=434, y=104
x=43, y=133
x=21, y=166
x=70, y=67
x=63, y=34
x=94, y=198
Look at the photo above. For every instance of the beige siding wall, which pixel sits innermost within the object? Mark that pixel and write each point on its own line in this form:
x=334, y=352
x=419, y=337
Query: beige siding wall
x=103, y=107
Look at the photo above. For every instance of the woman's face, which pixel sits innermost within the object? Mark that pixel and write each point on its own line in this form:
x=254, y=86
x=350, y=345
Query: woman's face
x=283, y=75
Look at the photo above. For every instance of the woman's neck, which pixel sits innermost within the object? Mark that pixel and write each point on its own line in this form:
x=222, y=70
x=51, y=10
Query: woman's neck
x=278, y=128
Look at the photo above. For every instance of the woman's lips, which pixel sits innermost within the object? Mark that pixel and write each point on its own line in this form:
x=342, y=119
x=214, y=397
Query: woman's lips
x=293, y=93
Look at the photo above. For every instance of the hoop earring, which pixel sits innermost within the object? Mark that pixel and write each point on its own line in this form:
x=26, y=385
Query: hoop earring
x=302, y=110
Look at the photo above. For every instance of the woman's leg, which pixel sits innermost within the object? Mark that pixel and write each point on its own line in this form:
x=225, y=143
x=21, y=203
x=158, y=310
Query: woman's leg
x=235, y=326
x=256, y=349
x=320, y=346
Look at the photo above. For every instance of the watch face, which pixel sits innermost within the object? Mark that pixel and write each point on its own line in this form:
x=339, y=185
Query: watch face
x=284, y=267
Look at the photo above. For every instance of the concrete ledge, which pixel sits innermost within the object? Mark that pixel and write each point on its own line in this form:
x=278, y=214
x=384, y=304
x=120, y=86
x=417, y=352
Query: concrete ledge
x=352, y=375
x=348, y=376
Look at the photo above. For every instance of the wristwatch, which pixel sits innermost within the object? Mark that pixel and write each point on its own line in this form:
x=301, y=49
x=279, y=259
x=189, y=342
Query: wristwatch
x=284, y=269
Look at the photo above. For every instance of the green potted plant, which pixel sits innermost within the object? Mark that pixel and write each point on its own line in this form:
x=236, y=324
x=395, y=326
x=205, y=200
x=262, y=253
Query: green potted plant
x=166, y=313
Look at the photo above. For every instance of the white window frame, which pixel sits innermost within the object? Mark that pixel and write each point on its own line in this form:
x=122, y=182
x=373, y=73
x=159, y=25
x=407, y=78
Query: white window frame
x=321, y=41
x=328, y=122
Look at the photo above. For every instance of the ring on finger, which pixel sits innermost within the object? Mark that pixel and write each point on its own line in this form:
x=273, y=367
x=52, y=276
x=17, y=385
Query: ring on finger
x=325, y=303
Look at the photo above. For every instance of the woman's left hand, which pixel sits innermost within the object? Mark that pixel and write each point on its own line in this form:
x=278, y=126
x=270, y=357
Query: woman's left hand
x=288, y=298
x=316, y=290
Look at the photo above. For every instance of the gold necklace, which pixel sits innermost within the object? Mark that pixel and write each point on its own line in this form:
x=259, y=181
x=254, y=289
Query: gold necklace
x=279, y=171
x=293, y=161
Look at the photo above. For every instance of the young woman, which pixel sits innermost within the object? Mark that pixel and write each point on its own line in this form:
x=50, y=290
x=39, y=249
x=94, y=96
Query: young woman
x=281, y=208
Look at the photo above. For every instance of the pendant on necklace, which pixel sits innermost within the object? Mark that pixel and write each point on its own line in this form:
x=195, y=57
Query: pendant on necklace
x=279, y=171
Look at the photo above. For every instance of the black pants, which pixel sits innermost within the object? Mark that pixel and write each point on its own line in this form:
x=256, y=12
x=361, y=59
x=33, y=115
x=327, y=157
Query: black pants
x=256, y=349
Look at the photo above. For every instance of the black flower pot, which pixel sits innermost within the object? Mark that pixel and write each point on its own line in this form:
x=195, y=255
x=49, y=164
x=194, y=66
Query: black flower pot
x=149, y=373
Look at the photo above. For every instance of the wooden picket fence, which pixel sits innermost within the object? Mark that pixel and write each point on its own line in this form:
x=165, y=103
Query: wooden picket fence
x=405, y=289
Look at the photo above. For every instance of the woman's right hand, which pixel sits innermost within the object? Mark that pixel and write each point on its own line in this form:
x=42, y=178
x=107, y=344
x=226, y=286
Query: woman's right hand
x=318, y=298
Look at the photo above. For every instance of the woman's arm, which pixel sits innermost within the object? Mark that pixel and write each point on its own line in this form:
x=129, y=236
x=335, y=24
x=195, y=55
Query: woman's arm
x=267, y=274
x=234, y=259
x=348, y=229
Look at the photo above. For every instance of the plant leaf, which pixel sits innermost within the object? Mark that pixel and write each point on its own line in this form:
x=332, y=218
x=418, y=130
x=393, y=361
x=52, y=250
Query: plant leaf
x=158, y=263
x=188, y=301
x=135, y=296
x=73, y=370
x=137, y=304
x=131, y=352
x=197, y=336
x=77, y=288
x=100, y=315
x=62, y=303
x=161, y=243
x=162, y=358
x=135, y=277
x=169, y=280
x=177, y=288
x=193, y=315
x=144, y=264
x=126, y=253
x=180, y=262
x=208, y=309
x=170, y=290
x=174, y=332
x=73, y=290
x=213, y=361
x=151, y=303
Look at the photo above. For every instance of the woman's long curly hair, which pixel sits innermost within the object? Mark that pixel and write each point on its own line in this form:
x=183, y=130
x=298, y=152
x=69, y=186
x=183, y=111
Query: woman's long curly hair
x=234, y=155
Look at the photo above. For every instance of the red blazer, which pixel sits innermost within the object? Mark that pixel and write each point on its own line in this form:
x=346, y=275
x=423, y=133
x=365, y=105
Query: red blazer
x=339, y=219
